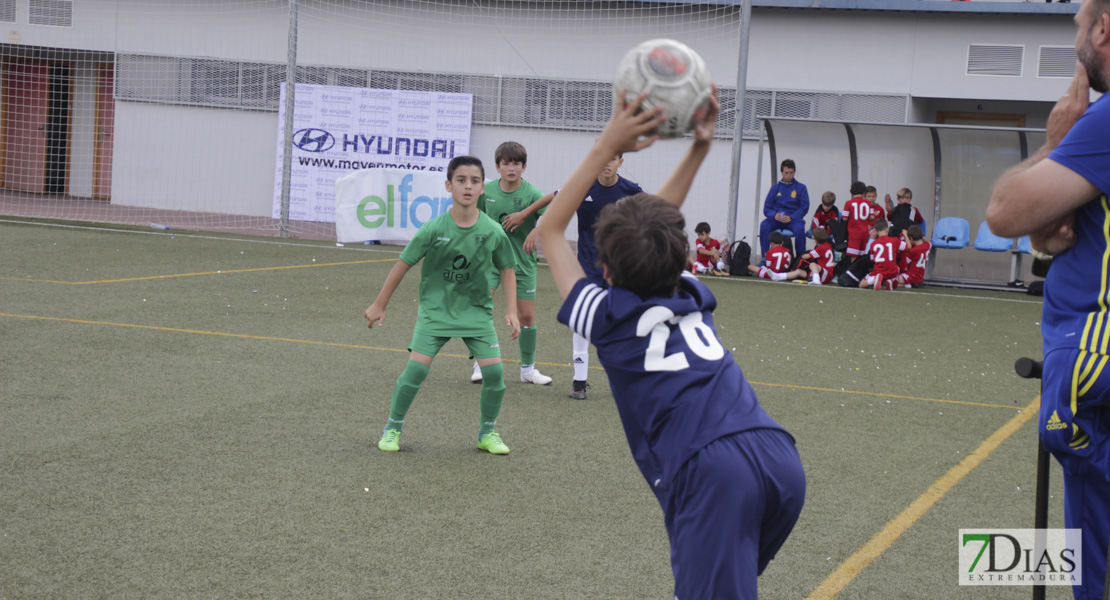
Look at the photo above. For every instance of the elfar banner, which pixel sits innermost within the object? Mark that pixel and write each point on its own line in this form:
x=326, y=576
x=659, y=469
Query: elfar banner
x=338, y=130
x=387, y=204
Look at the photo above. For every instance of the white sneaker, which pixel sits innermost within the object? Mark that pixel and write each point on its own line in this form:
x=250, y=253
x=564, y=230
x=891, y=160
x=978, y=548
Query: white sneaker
x=534, y=376
x=476, y=376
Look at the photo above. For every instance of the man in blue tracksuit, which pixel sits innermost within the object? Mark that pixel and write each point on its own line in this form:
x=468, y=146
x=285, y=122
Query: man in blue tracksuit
x=786, y=207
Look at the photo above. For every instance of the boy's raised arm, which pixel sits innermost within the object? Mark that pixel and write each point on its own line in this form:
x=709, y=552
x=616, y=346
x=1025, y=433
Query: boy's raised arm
x=676, y=187
x=624, y=133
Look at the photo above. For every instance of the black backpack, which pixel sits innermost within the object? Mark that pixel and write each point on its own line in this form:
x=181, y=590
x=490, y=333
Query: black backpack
x=855, y=272
x=838, y=234
x=900, y=218
x=739, y=256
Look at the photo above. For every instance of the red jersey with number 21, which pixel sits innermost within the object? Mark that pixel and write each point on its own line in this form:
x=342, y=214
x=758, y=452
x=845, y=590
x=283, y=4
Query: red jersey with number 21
x=885, y=253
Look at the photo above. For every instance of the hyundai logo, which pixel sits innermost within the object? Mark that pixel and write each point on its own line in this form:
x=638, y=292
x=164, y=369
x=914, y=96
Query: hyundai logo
x=313, y=140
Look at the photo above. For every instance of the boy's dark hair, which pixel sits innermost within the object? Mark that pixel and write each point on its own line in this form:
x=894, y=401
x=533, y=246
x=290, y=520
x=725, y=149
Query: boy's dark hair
x=915, y=232
x=858, y=188
x=871, y=190
x=460, y=161
x=510, y=152
x=787, y=164
x=820, y=236
x=829, y=196
x=880, y=225
x=702, y=227
x=775, y=237
x=642, y=239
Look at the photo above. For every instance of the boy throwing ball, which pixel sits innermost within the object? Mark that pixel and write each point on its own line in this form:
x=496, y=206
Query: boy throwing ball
x=727, y=476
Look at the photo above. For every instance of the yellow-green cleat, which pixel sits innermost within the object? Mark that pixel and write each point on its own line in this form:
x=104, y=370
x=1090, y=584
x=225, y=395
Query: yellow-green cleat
x=391, y=441
x=491, y=442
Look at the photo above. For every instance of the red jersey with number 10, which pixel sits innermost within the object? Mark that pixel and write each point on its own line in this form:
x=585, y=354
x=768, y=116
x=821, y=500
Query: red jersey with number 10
x=859, y=215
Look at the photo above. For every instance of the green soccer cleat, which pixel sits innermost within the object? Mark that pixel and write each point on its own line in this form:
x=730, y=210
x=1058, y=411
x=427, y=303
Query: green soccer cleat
x=491, y=442
x=391, y=441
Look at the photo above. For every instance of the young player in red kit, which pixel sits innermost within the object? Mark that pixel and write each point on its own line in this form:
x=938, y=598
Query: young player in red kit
x=915, y=257
x=708, y=253
x=871, y=194
x=885, y=253
x=817, y=264
x=859, y=216
x=778, y=260
x=825, y=213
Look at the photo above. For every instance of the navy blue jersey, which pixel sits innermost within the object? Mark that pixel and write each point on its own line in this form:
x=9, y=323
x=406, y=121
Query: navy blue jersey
x=1077, y=289
x=676, y=387
x=596, y=199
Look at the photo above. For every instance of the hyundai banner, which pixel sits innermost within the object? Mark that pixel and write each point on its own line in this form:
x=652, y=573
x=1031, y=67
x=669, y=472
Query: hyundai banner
x=339, y=130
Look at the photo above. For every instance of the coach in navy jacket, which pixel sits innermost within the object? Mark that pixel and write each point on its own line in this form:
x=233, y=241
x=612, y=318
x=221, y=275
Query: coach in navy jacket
x=786, y=207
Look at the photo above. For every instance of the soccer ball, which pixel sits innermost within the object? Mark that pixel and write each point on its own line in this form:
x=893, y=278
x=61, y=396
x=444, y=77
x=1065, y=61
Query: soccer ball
x=674, y=76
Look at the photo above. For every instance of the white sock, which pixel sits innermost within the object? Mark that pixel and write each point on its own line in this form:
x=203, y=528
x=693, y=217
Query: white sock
x=816, y=279
x=526, y=369
x=581, y=357
x=777, y=276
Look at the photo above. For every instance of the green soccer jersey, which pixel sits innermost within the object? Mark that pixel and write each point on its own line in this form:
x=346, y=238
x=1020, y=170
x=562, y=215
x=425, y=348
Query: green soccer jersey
x=454, y=295
x=499, y=204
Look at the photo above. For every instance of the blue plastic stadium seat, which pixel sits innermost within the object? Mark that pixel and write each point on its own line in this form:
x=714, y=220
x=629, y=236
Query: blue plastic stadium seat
x=987, y=241
x=952, y=232
x=1024, y=246
x=786, y=233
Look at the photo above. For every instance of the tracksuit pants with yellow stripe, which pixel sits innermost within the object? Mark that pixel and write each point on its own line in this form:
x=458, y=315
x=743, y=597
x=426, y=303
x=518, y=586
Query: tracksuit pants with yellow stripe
x=1075, y=427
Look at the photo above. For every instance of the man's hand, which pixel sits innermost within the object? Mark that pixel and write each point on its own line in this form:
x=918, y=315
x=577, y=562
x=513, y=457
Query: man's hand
x=1056, y=238
x=786, y=219
x=1069, y=107
x=513, y=221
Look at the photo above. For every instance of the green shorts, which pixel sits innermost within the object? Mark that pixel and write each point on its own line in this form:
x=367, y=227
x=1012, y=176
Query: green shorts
x=525, y=286
x=483, y=346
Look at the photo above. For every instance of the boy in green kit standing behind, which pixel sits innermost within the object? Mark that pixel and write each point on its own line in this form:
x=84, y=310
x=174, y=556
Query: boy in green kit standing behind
x=459, y=247
x=517, y=205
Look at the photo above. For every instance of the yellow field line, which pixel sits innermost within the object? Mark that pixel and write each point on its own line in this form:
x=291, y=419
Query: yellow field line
x=175, y=275
x=850, y=568
x=882, y=395
x=548, y=364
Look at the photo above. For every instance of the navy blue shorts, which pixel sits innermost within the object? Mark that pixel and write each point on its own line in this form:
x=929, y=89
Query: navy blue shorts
x=1075, y=427
x=730, y=509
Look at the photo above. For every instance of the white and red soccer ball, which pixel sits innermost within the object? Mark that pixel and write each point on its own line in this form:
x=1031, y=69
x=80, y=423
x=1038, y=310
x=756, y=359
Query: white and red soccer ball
x=674, y=76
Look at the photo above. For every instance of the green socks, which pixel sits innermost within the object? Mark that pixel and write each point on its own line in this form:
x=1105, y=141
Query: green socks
x=493, y=392
x=527, y=341
x=405, y=391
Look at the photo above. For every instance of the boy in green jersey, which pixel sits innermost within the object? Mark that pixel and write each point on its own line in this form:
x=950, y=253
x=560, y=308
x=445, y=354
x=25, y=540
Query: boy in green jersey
x=458, y=247
x=517, y=205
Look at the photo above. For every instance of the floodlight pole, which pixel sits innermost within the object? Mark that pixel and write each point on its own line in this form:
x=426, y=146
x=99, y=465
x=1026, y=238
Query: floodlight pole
x=738, y=133
x=290, y=102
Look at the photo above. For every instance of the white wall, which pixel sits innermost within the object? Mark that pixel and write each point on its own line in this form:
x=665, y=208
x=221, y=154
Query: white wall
x=216, y=160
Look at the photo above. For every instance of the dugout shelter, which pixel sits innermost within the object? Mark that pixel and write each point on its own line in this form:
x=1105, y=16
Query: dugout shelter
x=949, y=168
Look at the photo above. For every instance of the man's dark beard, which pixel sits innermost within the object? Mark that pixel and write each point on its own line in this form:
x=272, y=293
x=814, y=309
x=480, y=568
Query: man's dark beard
x=1095, y=74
